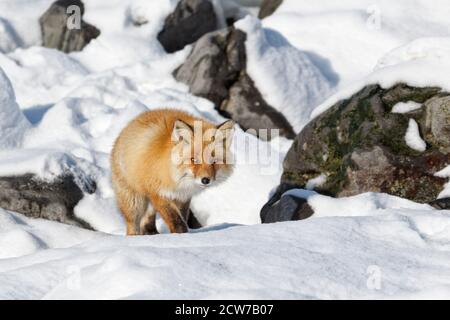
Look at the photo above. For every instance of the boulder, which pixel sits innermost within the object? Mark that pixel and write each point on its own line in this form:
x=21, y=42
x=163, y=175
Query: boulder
x=268, y=7
x=359, y=145
x=441, y=204
x=282, y=207
x=57, y=31
x=216, y=70
x=36, y=198
x=188, y=23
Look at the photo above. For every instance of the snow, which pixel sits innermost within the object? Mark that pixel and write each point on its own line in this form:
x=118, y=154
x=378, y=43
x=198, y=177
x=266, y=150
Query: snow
x=421, y=63
x=8, y=38
x=62, y=112
x=405, y=107
x=286, y=77
x=413, y=138
x=316, y=182
x=444, y=173
x=320, y=258
x=347, y=38
x=12, y=121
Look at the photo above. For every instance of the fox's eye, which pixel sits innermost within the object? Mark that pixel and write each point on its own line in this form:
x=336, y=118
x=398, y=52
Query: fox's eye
x=195, y=161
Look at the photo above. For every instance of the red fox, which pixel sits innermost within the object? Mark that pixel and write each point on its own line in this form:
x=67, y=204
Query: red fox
x=161, y=160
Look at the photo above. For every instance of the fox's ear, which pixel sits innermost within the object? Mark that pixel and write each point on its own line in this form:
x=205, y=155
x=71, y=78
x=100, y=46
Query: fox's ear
x=182, y=132
x=225, y=132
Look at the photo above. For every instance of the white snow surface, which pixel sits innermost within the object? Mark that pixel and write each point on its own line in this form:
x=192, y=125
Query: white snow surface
x=287, y=78
x=12, y=122
x=62, y=112
x=413, y=138
x=329, y=257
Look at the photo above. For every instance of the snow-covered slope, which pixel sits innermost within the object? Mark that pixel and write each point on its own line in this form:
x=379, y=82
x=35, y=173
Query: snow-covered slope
x=384, y=248
x=12, y=122
x=348, y=37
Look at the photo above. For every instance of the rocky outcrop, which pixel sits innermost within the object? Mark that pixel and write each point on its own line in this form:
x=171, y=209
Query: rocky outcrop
x=36, y=198
x=188, y=23
x=216, y=70
x=268, y=7
x=60, y=29
x=359, y=145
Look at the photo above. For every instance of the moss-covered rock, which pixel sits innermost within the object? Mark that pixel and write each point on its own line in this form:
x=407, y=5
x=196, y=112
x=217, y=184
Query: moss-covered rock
x=359, y=145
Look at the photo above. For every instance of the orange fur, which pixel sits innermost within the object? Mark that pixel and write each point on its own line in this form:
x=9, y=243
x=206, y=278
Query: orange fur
x=145, y=178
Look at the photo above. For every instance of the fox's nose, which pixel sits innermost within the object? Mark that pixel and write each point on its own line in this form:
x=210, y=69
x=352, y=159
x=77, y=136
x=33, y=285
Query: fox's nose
x=206, y=181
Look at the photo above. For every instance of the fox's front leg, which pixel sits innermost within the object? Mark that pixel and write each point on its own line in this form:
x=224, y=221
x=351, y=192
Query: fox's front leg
x=170, y=213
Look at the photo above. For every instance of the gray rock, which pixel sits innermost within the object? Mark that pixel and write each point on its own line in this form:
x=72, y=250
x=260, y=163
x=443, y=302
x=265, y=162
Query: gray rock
x=441, y=204
x=437, y=122
x=35, y=198
x=359, y=144
x=268, y=7
x=55, y=31
x=216, y=70
x=285, y=207
x=190, y=21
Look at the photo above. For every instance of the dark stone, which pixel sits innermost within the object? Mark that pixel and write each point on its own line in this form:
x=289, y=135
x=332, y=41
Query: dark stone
x=216, y=70
x=285, y=208
x=441, y=204
x=36, y=198
x=190, y=21
x=246, y=105
x=193, y=222
x=56, y=33
x=268, y=7
x=359, y=145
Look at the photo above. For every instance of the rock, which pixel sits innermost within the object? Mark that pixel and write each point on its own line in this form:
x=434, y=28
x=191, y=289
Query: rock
x=359, y=145
x=57, y=31
x=437, y=122
x=216, y=70
x=441, y=204
x=188, y=23
x=35, y=198
x=268, y=7
x=285, y=207
x=193, y=222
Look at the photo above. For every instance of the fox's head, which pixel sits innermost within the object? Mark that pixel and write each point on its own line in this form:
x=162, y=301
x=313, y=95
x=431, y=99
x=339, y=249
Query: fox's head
x=201, y=152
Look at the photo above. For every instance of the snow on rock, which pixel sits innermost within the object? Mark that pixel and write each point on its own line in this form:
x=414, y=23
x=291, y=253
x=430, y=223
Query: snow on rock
x=405, y=107
x=286, y=77
x=408, y=247
x=366, y=204
x=13, y=123
x=444, y=173
x=421, y=63
x=347, y=38
x=41, y=76
x=413, y=138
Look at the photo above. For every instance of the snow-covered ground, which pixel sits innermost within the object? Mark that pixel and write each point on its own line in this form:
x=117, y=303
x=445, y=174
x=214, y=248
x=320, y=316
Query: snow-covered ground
x=62, y=112
x=383, y=247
